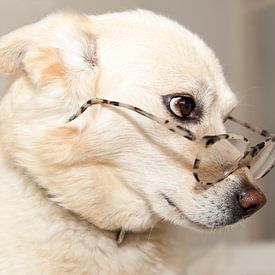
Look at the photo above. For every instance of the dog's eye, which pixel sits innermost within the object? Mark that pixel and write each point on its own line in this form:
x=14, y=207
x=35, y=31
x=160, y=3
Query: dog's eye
x=182, y=106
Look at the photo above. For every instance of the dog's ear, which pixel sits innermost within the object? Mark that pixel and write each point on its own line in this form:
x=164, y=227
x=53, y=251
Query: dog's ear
x=12, y=50
x=52, y=49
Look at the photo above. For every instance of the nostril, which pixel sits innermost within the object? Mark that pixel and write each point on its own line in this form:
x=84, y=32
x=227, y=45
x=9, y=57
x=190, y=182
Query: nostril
x=251, y=200
x=252, y=207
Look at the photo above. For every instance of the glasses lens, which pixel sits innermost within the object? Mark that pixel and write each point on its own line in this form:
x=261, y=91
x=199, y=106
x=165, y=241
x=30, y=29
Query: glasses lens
x=220, y=159
x=263, y=161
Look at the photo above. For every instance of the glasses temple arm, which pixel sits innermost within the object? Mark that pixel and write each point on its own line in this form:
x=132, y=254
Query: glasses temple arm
x=257, y=130
x=173, y=127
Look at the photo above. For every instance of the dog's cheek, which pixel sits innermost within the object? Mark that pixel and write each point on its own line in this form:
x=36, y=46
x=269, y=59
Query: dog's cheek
x=61, y=146
x=70, y=146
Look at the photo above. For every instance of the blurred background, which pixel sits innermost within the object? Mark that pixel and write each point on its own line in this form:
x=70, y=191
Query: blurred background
x=242, y=33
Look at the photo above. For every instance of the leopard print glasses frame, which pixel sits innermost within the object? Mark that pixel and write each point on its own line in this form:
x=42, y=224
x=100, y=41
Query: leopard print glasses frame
x=258, y=158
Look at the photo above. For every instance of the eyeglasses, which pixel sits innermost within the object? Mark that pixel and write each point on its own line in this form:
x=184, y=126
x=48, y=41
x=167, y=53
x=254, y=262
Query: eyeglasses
x=218, y=155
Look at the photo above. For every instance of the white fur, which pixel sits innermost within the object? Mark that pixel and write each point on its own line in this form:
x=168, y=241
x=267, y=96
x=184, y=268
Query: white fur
x=109, y=166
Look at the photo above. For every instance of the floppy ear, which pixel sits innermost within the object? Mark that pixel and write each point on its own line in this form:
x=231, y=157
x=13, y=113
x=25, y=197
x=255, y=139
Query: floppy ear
x=12, y=50
x=52, y=49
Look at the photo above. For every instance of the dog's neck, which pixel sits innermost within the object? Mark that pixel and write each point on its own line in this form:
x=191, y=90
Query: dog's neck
x=117, y=235
x=41, y=220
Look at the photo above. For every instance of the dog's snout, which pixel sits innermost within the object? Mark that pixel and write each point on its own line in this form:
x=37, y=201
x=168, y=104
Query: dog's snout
x=251, y=200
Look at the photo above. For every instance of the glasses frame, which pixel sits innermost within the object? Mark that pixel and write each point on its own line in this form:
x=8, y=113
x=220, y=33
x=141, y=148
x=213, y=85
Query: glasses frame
x=204, y=142
x=245, y=159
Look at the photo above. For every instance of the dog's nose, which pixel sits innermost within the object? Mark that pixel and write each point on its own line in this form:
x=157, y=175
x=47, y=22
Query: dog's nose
x=251, y=200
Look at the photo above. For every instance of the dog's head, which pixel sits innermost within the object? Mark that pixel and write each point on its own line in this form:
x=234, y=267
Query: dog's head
x=113, y=166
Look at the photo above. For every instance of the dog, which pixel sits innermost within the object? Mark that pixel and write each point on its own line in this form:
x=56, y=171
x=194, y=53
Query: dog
x=102, y=193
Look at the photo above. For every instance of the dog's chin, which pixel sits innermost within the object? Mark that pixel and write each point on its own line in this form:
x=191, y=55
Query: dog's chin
x=215, y=222
x=211, y=226
x=194, y=225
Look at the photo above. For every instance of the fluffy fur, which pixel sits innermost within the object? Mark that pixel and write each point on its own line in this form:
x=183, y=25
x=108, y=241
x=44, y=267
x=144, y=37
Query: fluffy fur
x=66, y=188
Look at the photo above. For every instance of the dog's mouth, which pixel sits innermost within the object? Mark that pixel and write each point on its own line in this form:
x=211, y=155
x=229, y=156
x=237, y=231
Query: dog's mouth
x=230, y=211
x=182, y=215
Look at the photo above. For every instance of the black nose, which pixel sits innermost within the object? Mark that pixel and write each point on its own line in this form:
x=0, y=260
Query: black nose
x=251, y=200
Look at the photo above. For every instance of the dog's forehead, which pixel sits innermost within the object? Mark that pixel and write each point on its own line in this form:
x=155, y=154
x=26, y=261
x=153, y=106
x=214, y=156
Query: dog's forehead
x=153, y=51
x=143, y=39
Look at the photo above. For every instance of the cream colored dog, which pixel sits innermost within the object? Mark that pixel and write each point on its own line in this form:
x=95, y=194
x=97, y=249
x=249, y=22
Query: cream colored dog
x=69, y=190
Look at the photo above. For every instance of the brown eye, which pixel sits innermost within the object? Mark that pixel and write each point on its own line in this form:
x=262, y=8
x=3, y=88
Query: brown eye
x=182, y=106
